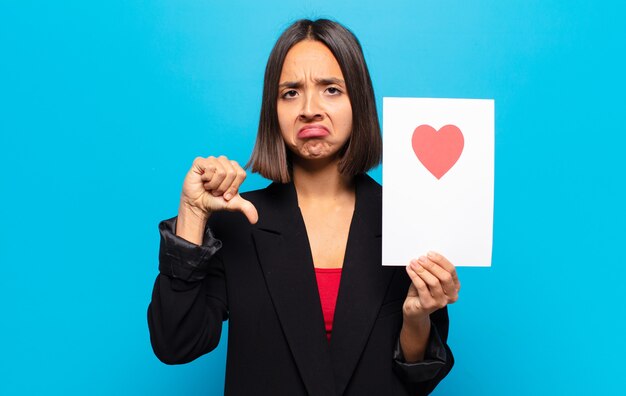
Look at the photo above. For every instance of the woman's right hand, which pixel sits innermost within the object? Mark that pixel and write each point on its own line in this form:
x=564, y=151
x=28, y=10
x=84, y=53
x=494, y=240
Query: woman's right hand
x=212, y=184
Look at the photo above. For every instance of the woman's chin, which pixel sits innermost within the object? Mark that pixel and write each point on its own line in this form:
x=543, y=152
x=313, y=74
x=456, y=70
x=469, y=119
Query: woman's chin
x=316, y=150
x=314, y=155
x=316, y=159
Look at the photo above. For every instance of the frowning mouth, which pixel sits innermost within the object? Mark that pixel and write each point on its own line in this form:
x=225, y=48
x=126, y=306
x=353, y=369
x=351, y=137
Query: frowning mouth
x=313, y=131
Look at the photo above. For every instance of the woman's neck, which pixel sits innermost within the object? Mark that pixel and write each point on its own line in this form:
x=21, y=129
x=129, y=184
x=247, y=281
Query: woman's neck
x=315, y=180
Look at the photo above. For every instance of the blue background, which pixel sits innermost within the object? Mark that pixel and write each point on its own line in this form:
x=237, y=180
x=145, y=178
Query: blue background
x=103, y=107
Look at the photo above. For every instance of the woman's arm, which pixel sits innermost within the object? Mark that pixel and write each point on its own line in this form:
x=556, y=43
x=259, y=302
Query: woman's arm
x=189, y=301
x=423, y=357
x=434, y=285
x=422, y=377
x=413, y=339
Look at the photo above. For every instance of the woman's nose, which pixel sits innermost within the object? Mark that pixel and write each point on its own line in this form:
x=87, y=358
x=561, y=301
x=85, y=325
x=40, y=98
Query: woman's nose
x=310, y=107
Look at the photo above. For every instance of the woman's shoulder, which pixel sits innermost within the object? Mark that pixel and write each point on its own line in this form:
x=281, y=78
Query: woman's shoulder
x=275, y=195
x=364, y=180
x=271, y=201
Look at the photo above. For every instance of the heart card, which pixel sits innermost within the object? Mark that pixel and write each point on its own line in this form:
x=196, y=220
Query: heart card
x=438, y=179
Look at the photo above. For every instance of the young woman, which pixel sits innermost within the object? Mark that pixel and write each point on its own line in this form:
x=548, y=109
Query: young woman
x=311, y=310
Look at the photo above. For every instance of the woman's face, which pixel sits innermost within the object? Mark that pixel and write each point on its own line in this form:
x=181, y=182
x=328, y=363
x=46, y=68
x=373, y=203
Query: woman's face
x=314, y=110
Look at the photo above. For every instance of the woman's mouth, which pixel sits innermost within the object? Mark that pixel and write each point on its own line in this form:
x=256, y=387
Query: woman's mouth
x=312, y=131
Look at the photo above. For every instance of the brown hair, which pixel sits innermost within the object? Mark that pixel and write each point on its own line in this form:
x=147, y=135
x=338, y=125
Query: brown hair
x=270, y=157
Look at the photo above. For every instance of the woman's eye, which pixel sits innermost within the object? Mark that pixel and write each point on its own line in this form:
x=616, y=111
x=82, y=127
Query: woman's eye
x=333, y=91
x=290, y=94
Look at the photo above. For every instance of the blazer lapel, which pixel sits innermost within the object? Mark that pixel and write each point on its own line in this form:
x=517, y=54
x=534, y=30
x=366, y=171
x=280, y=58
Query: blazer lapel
x=364, y=283
x=285, y=257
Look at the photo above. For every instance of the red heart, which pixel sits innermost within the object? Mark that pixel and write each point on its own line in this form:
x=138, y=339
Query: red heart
x=439, y=150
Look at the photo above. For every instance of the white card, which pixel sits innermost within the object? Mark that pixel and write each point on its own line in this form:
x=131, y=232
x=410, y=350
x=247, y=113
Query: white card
x=438, y=173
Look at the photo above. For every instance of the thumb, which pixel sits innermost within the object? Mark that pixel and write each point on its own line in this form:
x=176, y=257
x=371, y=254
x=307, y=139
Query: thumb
x=238, y=204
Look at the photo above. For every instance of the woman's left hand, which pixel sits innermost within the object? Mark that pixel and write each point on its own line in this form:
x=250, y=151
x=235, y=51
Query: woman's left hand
x=434, y=284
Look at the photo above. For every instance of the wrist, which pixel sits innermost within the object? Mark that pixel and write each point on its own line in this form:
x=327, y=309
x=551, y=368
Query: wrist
x=414, y=339
x=191, y=223
x=416, y=323
x=193, y=213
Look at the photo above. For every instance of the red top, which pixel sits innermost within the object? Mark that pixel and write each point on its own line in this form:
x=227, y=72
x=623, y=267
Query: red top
x=328, y=285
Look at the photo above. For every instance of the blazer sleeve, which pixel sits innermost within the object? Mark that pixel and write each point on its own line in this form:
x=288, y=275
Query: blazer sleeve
x=189, y=301
x=422, y=377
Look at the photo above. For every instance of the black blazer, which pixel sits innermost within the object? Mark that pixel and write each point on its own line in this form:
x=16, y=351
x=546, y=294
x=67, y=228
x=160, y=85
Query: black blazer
x=262, y=280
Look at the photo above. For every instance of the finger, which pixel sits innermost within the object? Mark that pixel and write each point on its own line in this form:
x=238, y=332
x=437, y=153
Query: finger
x=434, y=285
x=234, y=187
x=206, y=166
x=237, y=203
x=433, y=298
x=218, y=177
x=445, y=278
x=230, y=176
x=423, y=292
x=447, y=265
x=203, y=167
x=412, y=289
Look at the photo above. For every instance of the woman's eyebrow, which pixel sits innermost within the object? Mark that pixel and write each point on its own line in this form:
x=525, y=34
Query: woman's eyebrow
x=290, y=84
x=329, y=81
x=318, y=81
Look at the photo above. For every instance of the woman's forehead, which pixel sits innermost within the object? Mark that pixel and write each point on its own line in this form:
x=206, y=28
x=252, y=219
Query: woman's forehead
x=312, y=59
